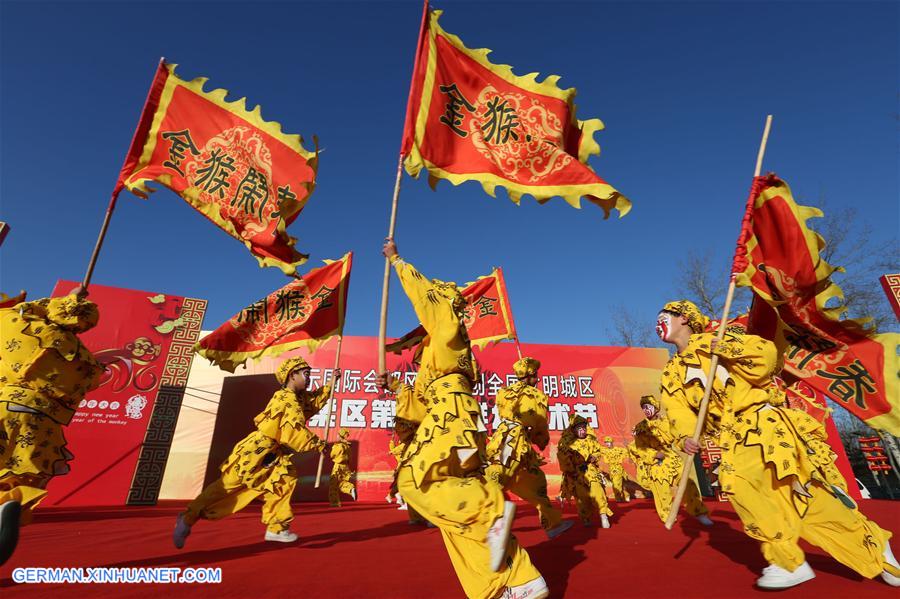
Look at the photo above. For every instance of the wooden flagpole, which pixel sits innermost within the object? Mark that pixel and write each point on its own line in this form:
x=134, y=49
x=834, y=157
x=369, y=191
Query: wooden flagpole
x=115, y=195
x=382, y=325
x=714, y=363
x=330, y=404
x=93, y=261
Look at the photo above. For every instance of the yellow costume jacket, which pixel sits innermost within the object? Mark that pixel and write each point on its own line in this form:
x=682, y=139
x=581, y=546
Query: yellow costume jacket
x=442, y=402
x=650, y=438
x=44, y=367
x=523, y=412
x=746, y=407
x=263, y=457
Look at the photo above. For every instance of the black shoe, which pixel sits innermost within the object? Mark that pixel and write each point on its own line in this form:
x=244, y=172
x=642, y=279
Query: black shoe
x=10, y=513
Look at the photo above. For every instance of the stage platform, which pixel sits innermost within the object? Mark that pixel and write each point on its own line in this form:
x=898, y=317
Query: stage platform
x=368, y=550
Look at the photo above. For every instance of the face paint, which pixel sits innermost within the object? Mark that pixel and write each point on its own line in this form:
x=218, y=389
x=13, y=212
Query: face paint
x=581, y=432
x=649, y=410
x=663, y=325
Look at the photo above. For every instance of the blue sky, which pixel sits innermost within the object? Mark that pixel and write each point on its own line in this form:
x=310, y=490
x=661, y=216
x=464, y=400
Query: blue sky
x=682, y=87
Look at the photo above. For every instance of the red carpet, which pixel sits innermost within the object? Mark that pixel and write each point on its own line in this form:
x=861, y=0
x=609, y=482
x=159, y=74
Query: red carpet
x=368, y=550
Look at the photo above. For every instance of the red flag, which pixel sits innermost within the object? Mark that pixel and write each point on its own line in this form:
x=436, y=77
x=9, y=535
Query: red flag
x=8, y=302
x=488, y=317
x=468, y=119
x=306, y=312
x=239, y=170
x=779, y=258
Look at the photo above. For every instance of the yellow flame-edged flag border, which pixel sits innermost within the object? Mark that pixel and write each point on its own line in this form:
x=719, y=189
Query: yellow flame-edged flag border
x=605, y=196
x=254, y=117
x=230, y=360
x=815, y=243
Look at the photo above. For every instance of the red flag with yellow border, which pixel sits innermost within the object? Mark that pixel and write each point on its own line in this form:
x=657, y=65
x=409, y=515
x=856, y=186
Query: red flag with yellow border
x=488, y=316
x=471, y=120
x=306, y=312
x=240, y=171
x=779, y=257
x=8, y=302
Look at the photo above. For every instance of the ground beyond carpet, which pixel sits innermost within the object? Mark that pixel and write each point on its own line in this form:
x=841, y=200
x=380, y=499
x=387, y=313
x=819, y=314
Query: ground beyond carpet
x=368, y=550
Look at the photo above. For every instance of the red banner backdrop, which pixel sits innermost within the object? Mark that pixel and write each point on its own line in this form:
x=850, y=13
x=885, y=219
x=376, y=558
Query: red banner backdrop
x=603, y=384
x=144, y=339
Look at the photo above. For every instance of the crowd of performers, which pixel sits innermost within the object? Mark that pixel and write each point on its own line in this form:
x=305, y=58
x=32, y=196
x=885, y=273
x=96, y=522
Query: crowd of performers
x=777, y=469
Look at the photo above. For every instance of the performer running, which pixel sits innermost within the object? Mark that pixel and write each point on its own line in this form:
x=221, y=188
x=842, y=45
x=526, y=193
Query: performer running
x=341, y=480
x=661, y=464
x=767, y=469
x=45, y=372
x=441, y=474
x=578, y=453
x=514, y=463
x=261, y=463
x=615, y=459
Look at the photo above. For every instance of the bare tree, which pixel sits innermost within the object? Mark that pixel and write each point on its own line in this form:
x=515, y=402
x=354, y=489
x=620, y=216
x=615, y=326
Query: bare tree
x=629, y=330
x=849, y=245
x=705, y=282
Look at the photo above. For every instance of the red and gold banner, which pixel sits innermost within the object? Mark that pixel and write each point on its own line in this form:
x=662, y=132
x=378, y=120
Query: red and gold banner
x=121, y=433
x=891, y=285
x=240, y=171
x=488, y=316
x=779, y=258
x=306, y=312
x=8, y=302
x=471, y=120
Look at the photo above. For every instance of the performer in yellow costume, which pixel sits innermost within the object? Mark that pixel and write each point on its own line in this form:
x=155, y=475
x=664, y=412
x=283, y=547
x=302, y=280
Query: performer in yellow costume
x=661, y=464
x=403, y=431
x=45, y=371
x=514, y=463
x=441, y=474
x=767, y=470
x=341, y=480
x=615, y=460
x=261, y=463
x=578, y=453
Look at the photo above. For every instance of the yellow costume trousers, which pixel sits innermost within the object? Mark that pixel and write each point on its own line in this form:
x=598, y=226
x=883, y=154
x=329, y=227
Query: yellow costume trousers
x=339, y=482
x=32, y=451
x=228, y=495
x=464, y=508
x=663, y=495
x=617, y=476
x=767, y=510
x=531, y=485
x=590, y=499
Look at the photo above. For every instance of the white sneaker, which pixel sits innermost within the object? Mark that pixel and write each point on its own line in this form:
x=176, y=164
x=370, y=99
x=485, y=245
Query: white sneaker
x=285, y=536
x=536, y=589
x=182, y=530
x=604, y=521
x=403, y=507
x=353, y=493
x=498, y=535
x=10, y=514
x=388, y=499
x=704, y=520
x=776, y=577
x=889, y=558
x=559, y=529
